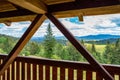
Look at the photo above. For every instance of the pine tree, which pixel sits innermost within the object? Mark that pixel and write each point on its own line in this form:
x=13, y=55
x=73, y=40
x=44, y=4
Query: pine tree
x=108, y=54
x=116, y=53
x=93, y=49
x=117, y=44
x=82, y=42
x=49, y=42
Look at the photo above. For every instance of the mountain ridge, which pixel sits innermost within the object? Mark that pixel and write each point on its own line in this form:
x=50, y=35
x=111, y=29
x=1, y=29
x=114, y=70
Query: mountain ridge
x=86, y=38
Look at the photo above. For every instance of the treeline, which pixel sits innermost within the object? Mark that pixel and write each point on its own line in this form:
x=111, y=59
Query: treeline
x=51, y=48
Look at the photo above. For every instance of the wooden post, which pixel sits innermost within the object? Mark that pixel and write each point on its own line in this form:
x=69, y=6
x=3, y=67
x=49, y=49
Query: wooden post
x=80, y=48
x=22, y=42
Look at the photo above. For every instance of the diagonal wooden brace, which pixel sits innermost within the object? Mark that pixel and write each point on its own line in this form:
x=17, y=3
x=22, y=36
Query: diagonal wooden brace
x=22, y=42
x=80, y=48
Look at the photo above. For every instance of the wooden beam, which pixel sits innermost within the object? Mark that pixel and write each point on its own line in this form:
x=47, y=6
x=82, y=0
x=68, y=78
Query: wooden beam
x=93, y=7
x=81, y=4
x=22, y=42
x=89, y=11
x=36, y=6
x=6, y=6
x=18, y=18
x=17, y=15
x=8, y=23
x=20, y=12
x=80, y=48
x=80, y=17
x=51, y=2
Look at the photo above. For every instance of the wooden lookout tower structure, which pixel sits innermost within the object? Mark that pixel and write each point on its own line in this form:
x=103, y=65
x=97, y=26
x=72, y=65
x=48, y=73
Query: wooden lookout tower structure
x=37, y=11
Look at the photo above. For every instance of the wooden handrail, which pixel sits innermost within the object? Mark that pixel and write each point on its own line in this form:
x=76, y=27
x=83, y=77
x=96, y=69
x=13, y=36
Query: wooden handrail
x=64, y=63
x=37, y=67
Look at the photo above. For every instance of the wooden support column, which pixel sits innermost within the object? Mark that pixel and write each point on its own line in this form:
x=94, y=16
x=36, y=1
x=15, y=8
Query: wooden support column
x=22, y=42
x=80, y=48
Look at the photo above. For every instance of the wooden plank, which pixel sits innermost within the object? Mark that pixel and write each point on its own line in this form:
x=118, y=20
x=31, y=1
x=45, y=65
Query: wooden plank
x=62, y=73
x=34, y=72
x=80, y=17
x=47, y=72
x=70, y=74
x=88, y=75
x=79, y=74
x=13, y=71
x=28, y=72
x=40, y=72
x=93, y=7
x=18, y=18
x=80, y=48
x=17, y=15
x=54, y=73
x=8, y=73
x=18, y=70
x=89, y=11
x=2, y=76
x=21, y=43
x=23, y=70
x=36, y=6
x=6, y=6
x=81, y=4
x=50, y=2
x=8, y=23
x=98, y=76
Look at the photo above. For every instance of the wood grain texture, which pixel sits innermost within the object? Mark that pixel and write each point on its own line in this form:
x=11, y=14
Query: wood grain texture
x=34, y=72
x=40, y=72
x=89, y=11
x=62, y=73
x=50, y=2
x=89, y=75
x=28, y=71
x=17, y=70
x=79, y=74
x=54, y=73
x=70, y=74
x=36, y=6
x=47, y=72
x=6, y=6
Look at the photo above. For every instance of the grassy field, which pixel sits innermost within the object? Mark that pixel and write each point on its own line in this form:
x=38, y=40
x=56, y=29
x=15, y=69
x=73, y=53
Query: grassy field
x=99, y=48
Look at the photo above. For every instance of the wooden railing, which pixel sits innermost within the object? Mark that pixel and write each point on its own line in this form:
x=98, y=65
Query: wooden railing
x=27, y=68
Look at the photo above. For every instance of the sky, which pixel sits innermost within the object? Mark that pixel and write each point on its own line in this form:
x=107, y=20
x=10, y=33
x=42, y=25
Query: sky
x=92, y=25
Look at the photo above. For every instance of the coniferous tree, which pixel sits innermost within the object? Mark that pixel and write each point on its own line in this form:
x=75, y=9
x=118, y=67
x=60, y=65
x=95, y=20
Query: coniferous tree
x=117, y=44
x=49, y=42
x=108, y=53
x=82, y=42
x=93, y=49
x=116, y=53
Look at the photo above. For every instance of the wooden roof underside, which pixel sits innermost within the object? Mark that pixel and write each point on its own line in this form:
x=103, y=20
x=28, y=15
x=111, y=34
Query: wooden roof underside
x=24, y=10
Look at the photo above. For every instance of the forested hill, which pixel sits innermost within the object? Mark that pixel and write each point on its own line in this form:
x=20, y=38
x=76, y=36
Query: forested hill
x=7, y=43
x=7, y=39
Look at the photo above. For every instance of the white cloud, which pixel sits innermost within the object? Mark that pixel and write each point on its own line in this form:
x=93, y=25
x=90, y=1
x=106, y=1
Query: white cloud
x=92, y=25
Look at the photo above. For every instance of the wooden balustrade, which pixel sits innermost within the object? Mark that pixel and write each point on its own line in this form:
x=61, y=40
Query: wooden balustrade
x=28, y=68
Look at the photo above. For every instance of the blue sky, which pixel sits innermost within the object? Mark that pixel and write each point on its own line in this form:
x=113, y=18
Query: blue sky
x=92, y=25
